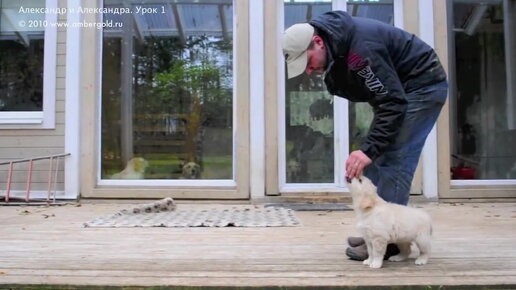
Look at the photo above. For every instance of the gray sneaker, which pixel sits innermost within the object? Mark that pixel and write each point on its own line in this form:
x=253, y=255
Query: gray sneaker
x=359, y=253
x=355, y=241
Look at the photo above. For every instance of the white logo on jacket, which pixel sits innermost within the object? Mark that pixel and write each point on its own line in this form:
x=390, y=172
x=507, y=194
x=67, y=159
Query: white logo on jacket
x=361, y=66
x=371, y=81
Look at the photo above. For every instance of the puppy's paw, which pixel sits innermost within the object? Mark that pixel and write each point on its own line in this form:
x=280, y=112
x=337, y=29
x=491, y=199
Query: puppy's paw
x=397, y=258
x=375, y=264
x=366, y=262
x=421, y=261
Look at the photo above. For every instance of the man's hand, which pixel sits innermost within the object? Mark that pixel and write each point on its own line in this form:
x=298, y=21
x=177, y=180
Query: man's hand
x=356, y=163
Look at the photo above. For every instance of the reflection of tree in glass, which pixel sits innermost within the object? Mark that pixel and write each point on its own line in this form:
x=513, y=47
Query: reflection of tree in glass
x=21, y=75
x=309, y=134
x=200, y=68
x=180, y=89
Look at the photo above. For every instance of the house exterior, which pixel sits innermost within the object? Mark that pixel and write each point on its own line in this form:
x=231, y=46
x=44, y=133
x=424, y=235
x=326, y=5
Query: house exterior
x=189, y=99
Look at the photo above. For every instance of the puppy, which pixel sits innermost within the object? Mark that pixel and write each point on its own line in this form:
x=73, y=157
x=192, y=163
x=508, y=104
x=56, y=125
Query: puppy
x=381, y=223
x=134, y=169
x=191, y=170
x=293, y=170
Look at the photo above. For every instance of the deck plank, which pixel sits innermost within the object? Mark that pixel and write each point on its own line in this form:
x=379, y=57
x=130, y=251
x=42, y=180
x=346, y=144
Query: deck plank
x=474, y=244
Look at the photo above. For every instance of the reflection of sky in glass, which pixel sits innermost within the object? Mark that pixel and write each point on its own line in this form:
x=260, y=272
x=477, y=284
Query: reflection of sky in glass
x=304, y=12
x=210, y=17
x=195, y=17
x=307, y=1
x=349, y=1
x=299, y=11
x=384, y=13
x=12, y=14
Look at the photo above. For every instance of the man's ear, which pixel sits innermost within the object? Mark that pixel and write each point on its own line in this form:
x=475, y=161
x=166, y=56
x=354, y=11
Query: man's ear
x=318, y=40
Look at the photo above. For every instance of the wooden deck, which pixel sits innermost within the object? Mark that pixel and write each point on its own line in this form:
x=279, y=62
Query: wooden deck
x=474, y=244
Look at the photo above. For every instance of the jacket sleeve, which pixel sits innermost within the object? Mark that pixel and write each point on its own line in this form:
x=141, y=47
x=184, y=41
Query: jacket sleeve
x=388, y=101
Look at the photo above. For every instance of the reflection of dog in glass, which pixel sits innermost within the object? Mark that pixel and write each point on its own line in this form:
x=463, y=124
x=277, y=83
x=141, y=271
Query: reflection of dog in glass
x=134, y=169
x=293, y=171
x=191, y=170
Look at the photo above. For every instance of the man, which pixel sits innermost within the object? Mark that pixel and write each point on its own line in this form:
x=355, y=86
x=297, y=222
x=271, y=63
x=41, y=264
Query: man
x=399, y=75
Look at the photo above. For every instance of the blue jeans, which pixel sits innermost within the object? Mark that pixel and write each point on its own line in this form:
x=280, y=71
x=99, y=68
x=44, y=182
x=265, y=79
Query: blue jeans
x=393, y=171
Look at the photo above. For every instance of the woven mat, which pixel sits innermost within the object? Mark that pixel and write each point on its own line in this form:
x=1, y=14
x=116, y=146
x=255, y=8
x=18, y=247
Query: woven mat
x=230, y=216
x=312, y=206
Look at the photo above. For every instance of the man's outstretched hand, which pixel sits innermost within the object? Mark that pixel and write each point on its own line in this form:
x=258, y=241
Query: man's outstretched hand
x=356, y=163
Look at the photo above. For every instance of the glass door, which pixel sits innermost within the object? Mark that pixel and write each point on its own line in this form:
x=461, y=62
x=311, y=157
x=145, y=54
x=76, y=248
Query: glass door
x=170, y=89
x=483, y=110
x=167, y=92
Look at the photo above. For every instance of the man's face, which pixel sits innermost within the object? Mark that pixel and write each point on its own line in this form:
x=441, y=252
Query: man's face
x=316, y=56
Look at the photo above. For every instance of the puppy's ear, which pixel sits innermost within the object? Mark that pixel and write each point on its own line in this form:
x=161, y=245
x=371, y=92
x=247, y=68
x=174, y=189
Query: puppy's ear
x=367, y=203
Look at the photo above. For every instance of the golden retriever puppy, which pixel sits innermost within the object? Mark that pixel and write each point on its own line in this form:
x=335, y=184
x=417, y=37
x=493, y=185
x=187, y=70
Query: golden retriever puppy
x=134, y=169
x=382, y=223
x=191, y=170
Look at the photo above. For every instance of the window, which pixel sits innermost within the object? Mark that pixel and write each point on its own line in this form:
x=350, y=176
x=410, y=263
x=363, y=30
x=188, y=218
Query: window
x=27, y=64
x=167, y=91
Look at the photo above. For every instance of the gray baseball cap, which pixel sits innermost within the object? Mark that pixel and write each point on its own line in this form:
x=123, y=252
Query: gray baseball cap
x=296, y=40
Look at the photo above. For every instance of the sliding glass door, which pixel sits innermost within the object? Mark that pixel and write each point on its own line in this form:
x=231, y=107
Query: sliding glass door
x=174, y=99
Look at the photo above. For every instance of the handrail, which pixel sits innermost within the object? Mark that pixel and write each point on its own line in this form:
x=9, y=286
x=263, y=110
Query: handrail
x=52, y=174
x=35, y=158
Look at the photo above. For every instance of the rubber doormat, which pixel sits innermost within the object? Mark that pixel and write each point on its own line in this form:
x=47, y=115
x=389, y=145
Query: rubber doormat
x=220, y=216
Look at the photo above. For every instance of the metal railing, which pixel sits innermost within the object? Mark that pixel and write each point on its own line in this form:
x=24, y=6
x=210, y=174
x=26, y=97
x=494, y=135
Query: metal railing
x=52, y=175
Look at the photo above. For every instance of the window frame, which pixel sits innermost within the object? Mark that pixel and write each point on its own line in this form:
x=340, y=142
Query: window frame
x=450, y=189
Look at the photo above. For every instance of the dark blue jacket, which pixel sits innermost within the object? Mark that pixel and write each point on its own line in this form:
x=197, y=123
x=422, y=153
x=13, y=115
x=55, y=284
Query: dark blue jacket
x=370, y=61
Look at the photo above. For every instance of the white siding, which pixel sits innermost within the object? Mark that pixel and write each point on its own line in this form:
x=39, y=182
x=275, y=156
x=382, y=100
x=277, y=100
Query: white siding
x=27, y=143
